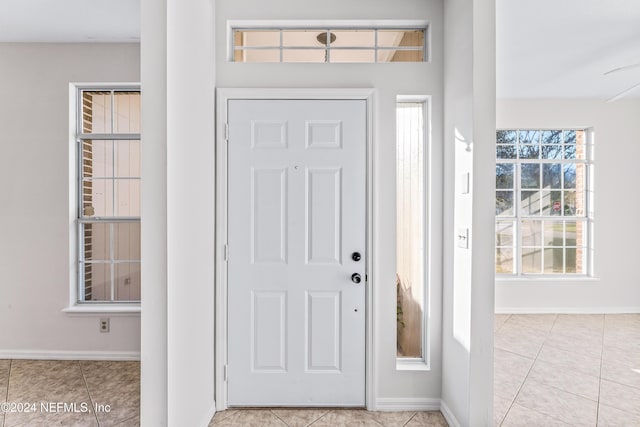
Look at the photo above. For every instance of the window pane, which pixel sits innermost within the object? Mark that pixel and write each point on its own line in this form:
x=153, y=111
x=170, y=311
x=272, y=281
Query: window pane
x=504, y=175
x=570, y=176
x=553, y=262
x=530, y=202
x=410, y=238
x=304, y=55
x=531, y=233
x=262, y=38
x=109, y=241
x=396, y=55
x=391, y=38
x=97, y=282
x=352, y=55
x=575, y=233
x=96, y=111
x=551, y=175
x=569, y=152
x=552, y=203
x=570, y=137
x=504, y=233
x=304, y=38
x=532, y=260
x=529, y=137
x=504, y=203
x=573, y=261
x=570, y=203
x=127, y=282
x=257, y=55
x=127, y=197
x=551, y=152
x=506, y=137
x=506, y=152
x=97, y=158
x=529, y=151
x=504, y=261
x=553, y=233
x=530, y=175
x=353, y=38
x=97, y=197
x=126, y=117
x=551, y=136
x=127, y=158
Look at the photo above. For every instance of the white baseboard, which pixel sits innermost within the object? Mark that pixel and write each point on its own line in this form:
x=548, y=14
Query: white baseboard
x=69, y=355
x=407, y=404
x=448, y=415
x=210, y=413
x=567, y=310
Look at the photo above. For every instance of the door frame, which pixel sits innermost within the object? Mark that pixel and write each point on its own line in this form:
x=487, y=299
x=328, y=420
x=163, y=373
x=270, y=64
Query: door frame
x=224, y=95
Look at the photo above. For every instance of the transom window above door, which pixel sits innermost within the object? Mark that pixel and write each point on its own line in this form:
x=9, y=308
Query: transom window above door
x=353, y=44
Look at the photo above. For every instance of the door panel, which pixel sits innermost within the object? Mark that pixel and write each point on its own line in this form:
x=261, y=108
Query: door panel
x=296, y=212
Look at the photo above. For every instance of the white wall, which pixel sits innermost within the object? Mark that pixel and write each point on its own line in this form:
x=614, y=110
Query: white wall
x=469, y=108
x=34, y=199
x=390, y=79
x=178, y=84
x=617, y=147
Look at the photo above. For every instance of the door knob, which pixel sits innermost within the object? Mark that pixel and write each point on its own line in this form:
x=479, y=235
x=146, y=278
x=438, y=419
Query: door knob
x=356, y=256
x=356, y=278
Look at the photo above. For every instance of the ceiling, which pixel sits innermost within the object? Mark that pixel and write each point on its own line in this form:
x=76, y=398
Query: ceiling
x=545, y=48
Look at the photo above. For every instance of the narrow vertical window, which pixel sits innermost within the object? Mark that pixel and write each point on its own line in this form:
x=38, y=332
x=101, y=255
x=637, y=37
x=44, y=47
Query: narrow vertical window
x=410, y=230
x=108, y=221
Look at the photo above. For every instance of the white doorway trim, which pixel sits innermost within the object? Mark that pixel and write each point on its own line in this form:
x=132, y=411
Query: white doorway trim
x=221, y=326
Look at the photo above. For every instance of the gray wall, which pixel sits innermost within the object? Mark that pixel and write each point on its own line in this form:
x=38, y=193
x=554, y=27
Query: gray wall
x=35, y=205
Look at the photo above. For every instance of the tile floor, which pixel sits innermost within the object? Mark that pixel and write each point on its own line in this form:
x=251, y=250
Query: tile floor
x=80, y=384
x=325, y=418
x=567, y=370
x=550, y=370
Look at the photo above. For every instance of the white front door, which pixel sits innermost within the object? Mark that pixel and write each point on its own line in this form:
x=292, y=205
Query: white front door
x=296, y=225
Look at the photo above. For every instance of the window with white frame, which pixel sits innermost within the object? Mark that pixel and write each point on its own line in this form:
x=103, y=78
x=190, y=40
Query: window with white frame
x=411, y=231
x=350, y=44
x=542, y=193
x=108, y=190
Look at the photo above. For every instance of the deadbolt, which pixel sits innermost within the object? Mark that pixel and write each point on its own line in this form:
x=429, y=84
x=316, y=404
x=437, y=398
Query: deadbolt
x=356, y=278
x=356, y=256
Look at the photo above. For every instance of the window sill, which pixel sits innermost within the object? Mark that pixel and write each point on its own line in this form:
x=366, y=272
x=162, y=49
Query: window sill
x=564, y=279
x=412, y=365
x=132, y=310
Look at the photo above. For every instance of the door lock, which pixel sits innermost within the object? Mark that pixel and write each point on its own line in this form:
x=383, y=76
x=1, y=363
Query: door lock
x=356, y=256
x=356, y=278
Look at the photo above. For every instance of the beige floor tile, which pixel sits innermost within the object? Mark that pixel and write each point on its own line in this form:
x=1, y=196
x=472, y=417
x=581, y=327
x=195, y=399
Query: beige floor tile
x=622, y=320
x=523, y=341
x=220, y=415
x=427, y=419
x=392, y=419
x=621, y=356
x=567, y=380
x=59, y=421
x=131, y=422
x=558, y=404
x=499, y=320
x=570, y=360
x=116, y=384
x=500, y=408
x=543, y=322
x=519, y=416
x=49, y=381
x=586, y=321
x=620, y=396
x=347, y=417
x=509, y=373
x=621, y=374
x=577, y=342
x=250, y=418
x=612, y=417
x=299, y=417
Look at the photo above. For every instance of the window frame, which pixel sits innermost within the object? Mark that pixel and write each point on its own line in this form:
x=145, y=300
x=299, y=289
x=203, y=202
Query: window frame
x=76, y=305
x=422, y=363
x=328, y=25
x=518, y=216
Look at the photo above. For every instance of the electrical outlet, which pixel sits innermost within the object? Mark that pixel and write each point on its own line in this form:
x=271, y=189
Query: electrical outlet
x=104, y=324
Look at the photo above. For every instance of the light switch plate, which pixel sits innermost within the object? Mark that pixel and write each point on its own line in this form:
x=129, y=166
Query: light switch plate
x=463, y=238
x=464, y=183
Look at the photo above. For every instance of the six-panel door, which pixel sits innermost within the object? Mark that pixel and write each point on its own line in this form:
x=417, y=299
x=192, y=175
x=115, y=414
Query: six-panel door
x=297, y=213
